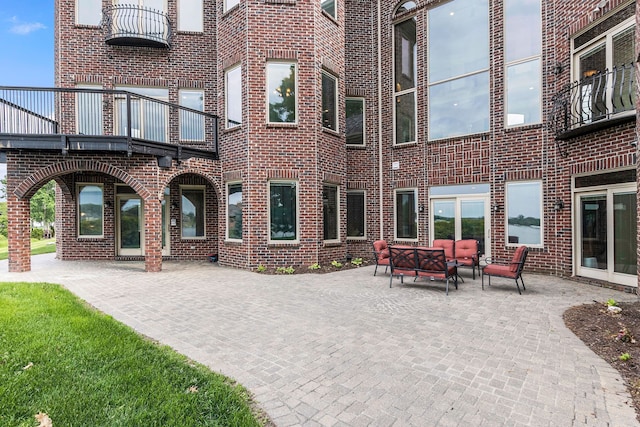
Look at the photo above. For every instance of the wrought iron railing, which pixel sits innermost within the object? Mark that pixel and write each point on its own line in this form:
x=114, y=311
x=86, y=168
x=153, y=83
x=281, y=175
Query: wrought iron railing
x=132, y=25
x=597, y=98
x=100, y=113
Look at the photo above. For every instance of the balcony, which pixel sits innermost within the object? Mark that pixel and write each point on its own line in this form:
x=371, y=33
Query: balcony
x=131, y=25
x=596, y=102
x=66, y=120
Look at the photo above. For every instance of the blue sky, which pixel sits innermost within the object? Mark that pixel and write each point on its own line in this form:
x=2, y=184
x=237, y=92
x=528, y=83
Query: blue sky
x=26, y=41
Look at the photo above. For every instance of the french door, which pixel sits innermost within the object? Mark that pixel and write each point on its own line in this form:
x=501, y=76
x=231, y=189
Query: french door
x=606, y=234
x=463, y=217
x=130, y=233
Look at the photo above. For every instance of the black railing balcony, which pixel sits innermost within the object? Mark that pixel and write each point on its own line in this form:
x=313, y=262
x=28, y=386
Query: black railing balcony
x=98, y=119
x=597, y=101
x=131, y=25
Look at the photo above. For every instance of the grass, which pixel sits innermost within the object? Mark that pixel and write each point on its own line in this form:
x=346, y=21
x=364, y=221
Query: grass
x=81, y=367
x=38, y=247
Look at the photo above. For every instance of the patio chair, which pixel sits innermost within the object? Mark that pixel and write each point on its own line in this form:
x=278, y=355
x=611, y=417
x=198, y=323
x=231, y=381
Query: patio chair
x=380, y=255
x=468, y=255
x=432, y=264
x=448, y=245
x=511, y=270
x=402, y=261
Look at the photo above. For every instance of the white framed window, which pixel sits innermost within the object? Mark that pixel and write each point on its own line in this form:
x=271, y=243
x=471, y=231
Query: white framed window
x=230, y=4
x=331, y=212
x=190, y=15
x=149, y=119
x=406, y=214
x=283, y=211
x=405, y=50
x=329, y=101
x=234, y=211
x=458, y=68
x=88, y=12
x=192, y=212
x=233, y=96
x=89, y=114
x=90, y=210
x=356, y=215
x=355, y=119
x=281, y=92
x=191, y=123
x=524, y=213
x=523, y=50
x=329, y=7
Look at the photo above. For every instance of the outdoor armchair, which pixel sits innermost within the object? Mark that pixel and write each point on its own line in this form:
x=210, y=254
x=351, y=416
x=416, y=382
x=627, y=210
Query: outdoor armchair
x=380, y=255
x=448, y=245
x=510, y=270
x=467, y=254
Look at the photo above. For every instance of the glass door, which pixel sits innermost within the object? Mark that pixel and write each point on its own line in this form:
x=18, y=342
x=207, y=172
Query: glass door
x=606, y=240
x=461, y=218
x=129, y=225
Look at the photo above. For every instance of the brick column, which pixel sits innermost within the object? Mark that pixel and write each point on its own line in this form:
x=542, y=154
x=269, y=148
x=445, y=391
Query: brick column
x=18, y=212
x=152, y=235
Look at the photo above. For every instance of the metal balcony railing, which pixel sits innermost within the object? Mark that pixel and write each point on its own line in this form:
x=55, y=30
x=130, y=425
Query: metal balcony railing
x=101, y=117
x=594, y=102
x=131, y=25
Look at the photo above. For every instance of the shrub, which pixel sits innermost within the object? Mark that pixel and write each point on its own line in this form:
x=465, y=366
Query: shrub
x=314, y=266
x=285, y=270
x=336, y=264
x=357, y=262
x=261, y=268
x=36, y=233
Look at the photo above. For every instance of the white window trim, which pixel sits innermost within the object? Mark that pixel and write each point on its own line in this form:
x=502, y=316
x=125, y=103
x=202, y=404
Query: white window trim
x=335, y=10
x=395, y=215
x=296, y=241
x=88, y=236
x=396, y=94
x=335, y=102
x=364, y=219
x=364, y=119
x=135, y=90
x=77, y=100
x=201, y=17
x=204, y=211
x=506, y=216
x=227, y=238
x=297, y=111
x=337, y=214
x=97, y=24
x=226, y=7
x=226, y=95
x=201, y=93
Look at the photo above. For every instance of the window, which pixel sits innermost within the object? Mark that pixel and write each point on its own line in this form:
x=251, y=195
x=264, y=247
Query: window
x=191, y=123
x=603, y=65
x=190, y=15
x=523, y=49
x=329, y=7
x=355, y=215
x=283, y=211
x=88, y=12
x=458, y=52
x=89, y=115
x=90, y=210
x=234, y=211
x=406, y=214
x=192, y=212
x=149, y=119
x=355, y=120
x=281, y=92
x=330, y=212
x=405, y=73
x=233, y=96
x=230, y=4
x=329, y=101
x=524, y=213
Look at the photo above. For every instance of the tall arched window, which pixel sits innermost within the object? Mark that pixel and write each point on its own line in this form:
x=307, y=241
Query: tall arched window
x=405, y=75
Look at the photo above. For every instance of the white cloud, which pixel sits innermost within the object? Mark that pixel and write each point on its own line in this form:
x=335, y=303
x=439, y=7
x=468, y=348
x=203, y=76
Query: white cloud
x=23, y=28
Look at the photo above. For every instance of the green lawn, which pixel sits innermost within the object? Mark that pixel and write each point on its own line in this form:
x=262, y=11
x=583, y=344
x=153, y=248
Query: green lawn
x=38, y=247
x=82, y=368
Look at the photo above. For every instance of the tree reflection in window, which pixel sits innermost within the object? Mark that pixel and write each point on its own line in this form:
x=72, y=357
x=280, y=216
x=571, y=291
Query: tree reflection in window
x=193, y=212
x=282, y=92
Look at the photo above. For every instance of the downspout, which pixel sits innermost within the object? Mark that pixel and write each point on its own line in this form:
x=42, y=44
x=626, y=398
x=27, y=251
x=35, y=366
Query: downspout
x=380, y=174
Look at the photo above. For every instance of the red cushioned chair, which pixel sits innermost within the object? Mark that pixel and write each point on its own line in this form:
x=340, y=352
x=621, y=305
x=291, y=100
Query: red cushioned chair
x=380, y=255
x=402, y=262
x=512, y=270
x=448, y=245
x=432, y=264
x=467, y=254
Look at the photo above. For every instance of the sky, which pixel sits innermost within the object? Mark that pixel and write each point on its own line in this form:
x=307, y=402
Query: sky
x=26, y=45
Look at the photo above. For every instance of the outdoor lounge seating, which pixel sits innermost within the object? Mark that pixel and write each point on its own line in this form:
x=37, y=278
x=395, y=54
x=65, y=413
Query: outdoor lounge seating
x=428, y=263
x=381, y=255
x=465, y=252
x=511, y=270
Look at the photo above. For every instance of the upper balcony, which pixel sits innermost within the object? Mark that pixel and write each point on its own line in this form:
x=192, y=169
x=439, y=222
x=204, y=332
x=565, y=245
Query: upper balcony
x=597, y=101
x=65, y=120
x=132, y=25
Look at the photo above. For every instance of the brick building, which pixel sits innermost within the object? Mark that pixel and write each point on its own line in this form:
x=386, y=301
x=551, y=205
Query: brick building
x=289, y=132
